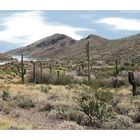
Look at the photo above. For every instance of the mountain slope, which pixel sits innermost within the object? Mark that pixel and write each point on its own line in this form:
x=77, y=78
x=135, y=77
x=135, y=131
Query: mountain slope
x=4, y=57
x=45, y=47
x=62, y=46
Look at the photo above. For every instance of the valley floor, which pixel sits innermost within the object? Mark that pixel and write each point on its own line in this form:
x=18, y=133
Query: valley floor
x=55, y=107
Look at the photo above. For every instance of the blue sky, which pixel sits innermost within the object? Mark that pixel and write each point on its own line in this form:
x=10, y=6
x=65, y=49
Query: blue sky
x=20, y=28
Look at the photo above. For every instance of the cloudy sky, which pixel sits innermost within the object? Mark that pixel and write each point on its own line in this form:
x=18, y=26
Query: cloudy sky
x=19, y=28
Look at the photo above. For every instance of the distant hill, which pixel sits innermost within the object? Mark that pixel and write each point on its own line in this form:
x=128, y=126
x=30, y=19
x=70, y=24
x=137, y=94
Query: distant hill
x=4, y=57
x=62, y=46
x=46, y=47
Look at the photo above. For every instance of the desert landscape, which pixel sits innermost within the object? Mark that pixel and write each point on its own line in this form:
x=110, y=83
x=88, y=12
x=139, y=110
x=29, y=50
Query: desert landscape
x=62, y=83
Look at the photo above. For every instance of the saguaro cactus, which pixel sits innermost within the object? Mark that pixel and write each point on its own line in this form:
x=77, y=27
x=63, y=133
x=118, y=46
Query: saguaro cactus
x=58, y=74
x=50, y=68
x=132, y=82
x=41, y=67
x=21, y=69
x=115, y=75
x=88, y=59
x=34, y=72
x=116, y=71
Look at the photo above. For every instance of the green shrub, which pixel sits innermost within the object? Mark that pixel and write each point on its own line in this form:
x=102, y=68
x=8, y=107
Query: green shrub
x=98, y=84
x=119, y=122
x=5, y=95
x=44, y=89
x=64, y=80
x=93, y=104
x=5, y=107
x=24, y=102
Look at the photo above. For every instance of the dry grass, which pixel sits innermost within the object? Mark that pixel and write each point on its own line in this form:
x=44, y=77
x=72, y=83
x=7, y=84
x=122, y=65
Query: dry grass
x=58, y=109
x=8, y=123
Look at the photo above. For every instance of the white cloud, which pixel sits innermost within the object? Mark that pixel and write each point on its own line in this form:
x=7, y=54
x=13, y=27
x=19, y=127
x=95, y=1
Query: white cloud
x=86, y=16
x=26, y=27
x=121, y=23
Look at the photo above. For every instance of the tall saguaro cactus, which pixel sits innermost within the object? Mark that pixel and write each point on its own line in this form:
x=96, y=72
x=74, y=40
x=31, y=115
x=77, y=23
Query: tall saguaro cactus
x=41, y=67
x=132, y=82
x=34, y=72
x=50, y=68
x=116, y=71
x=21, y=69
x=88, y=59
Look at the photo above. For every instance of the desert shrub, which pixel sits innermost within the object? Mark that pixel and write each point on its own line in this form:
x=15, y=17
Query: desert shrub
x=116, y=99
x=47, y=107
x=95, y=84
x=78, y=79
x=64, y=80
x=16, y=113
x=136, y=126
x=119, y=122
x=5, y=95
x=115, y=82
x=69, y=125
x=81, y=118
x=44, y=89
x=56, y=114
x=50, y=79
x=46, y=78
x=5, y=107
x=122, y=108
x=10, y=72
x=64, y=114
x=135, y=116
x=126, y=63
x=24, y=102
x=136, y=101
x=53, y=97
x=104, y=95
x=93, y=104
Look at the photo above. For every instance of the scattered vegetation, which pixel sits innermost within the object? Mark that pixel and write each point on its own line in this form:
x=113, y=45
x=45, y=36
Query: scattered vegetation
x=83, y=93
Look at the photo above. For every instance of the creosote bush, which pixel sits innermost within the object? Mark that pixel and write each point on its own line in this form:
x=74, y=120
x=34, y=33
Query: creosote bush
x=24, y=102
x=94, y=104
x=64, y=80
x=52, y=78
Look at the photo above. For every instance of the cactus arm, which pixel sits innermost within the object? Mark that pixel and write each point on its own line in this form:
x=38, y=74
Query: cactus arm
x=132, y=82
x=131, y=78
x=88, y=59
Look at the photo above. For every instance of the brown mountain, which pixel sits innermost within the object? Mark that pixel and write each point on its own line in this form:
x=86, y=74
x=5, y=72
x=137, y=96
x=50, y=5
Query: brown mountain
x=62, y=46
x=46, y=47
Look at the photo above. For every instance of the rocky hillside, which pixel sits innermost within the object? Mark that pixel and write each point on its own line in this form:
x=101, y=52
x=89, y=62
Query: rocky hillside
x=46, y=47
x=4, y=57
x=62, y=46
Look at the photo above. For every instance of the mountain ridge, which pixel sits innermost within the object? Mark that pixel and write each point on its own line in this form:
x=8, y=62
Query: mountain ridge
x=59, y=46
